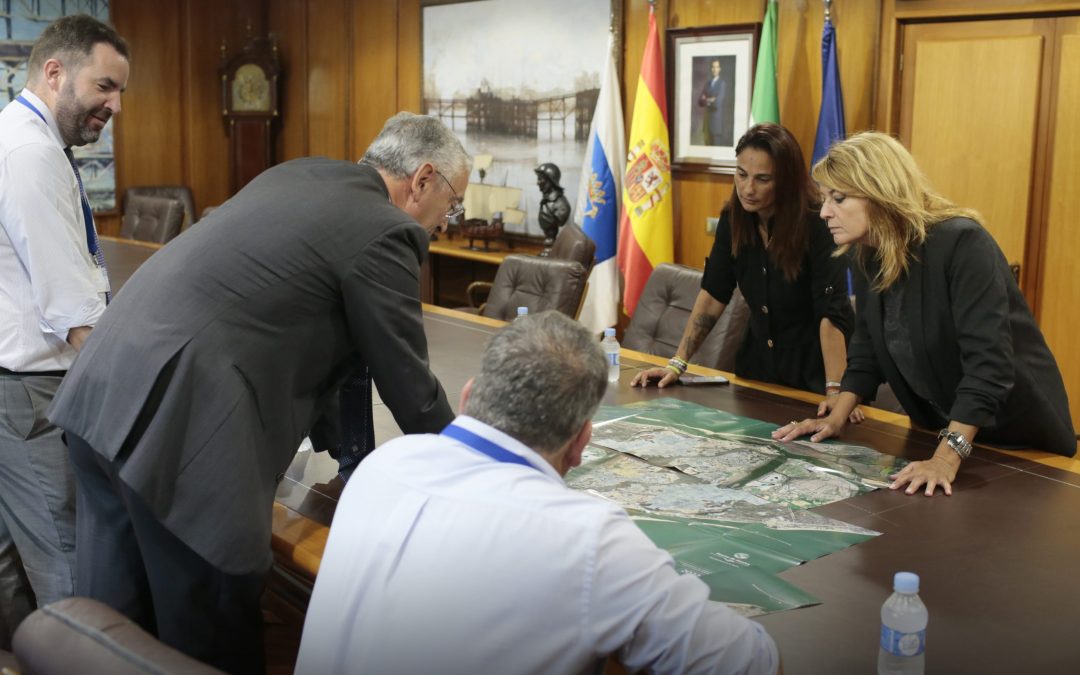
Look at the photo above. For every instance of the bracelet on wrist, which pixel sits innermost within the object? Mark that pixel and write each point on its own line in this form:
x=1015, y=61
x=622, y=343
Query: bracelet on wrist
x=676, y=365
x=677, y=371
x=832, y=385
x=955, y=440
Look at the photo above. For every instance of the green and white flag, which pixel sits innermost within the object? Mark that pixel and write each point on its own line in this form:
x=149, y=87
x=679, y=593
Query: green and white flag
x=764, y=106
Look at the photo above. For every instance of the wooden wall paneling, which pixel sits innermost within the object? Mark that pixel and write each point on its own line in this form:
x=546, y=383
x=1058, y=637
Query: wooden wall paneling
x=288, y=19
x=1060, y=289
x=328, y=54
x=953, y=70
x=697, y=196
x=952, y=8
x=205, y=24
x=409, y=56
x=689, y=13
x=153, y=103
x=374, y=78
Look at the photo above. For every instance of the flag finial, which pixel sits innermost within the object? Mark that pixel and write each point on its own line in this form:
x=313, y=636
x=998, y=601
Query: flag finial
x=828, y=10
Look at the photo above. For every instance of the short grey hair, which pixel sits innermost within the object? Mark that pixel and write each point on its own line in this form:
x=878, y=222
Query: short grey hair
x=408, y=140
x=542, y=378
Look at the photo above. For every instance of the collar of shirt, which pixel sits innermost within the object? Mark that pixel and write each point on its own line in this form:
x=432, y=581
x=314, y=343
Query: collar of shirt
x=50, y=120
x=507, y=442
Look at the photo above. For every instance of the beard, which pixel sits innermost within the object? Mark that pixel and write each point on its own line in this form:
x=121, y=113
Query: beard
x=71, y=118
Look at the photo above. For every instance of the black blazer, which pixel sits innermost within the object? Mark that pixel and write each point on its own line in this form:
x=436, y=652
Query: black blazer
x=976, y=341
x=218, y=357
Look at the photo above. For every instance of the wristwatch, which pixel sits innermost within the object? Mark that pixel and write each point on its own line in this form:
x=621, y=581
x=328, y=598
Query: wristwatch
x=957, y=442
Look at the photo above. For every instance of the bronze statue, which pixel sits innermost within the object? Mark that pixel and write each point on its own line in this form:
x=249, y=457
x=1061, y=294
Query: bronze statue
x=554, y=207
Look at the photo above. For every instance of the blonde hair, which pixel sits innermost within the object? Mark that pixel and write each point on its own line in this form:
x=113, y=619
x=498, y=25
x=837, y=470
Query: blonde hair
x=901, y=204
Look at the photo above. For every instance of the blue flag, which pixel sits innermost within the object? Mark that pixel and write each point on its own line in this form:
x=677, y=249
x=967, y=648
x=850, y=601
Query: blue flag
x=830, y=126
x=599, y=196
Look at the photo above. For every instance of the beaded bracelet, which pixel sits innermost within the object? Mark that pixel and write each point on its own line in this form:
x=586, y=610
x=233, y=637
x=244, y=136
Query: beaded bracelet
x=676, y=365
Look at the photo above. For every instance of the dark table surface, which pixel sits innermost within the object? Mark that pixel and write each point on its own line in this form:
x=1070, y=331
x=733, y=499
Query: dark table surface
x=996, y=559
x=123, y=257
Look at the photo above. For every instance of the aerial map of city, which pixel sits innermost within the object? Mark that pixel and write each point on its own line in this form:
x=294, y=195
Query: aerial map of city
x=725, y=500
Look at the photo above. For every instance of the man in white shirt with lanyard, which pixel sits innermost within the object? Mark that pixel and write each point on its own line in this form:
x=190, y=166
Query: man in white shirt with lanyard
x=465, y=552
x=53, y=289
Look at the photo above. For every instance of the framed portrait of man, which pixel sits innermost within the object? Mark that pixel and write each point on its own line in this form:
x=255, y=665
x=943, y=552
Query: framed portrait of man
x=710, y=84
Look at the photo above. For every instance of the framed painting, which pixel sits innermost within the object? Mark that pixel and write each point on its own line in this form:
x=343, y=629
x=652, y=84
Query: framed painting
x=518, y=81
x=710, y=83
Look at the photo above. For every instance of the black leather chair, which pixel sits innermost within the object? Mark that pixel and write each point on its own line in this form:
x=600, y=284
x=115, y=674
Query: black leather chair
x=537, y=283
x=80, y=635
x=664, y=308
x=156, y=219
x=182, y=193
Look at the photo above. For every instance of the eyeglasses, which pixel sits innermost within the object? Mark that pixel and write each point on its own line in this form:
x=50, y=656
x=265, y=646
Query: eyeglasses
x=457, y=208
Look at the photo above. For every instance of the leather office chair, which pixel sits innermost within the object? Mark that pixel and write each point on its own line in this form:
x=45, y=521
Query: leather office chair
x=571, y=244
x=80, y=635
x=156, y=219
x=536, y=283
x=664, y=308
x=178, y=192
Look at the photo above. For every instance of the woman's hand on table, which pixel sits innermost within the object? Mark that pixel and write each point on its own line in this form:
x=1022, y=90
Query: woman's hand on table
x=936, y=472
x=829, y=402
x=662, y=377
x=820, y=428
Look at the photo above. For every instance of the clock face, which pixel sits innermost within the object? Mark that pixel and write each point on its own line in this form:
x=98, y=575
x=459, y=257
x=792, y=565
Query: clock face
x=250, y=89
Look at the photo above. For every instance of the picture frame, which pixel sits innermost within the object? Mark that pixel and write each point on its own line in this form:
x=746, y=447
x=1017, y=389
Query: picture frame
x=518, y=82
x=710, y=75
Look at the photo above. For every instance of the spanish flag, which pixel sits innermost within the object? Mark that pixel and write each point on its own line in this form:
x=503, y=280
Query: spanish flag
x=645, y=229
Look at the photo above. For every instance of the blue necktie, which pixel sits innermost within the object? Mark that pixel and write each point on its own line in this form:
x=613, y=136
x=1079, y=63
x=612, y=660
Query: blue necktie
x=88, y=219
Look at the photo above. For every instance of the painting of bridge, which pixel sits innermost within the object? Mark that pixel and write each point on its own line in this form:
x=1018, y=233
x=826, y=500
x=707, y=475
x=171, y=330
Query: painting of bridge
x=517, y=80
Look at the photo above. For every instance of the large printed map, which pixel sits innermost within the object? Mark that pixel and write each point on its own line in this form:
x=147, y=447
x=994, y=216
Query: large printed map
x=724, y=499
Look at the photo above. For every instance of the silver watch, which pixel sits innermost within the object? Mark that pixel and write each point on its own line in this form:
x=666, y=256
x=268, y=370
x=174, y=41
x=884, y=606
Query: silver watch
x=957, y=442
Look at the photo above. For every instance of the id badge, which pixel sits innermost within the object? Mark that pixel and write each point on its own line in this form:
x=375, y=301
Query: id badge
x=107, y=288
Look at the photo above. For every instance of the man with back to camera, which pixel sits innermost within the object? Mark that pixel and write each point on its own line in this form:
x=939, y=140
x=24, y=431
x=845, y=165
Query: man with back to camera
x=466, y=553
x=53, y=289
x=224, y=351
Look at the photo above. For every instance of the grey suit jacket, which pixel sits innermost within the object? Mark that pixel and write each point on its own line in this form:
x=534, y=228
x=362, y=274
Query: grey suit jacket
x=980, y=350
x=205, y=374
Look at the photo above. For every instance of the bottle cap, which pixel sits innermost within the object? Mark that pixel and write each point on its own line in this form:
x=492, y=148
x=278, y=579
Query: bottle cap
x=906, y=582
x=609, y=332
x=522, y=311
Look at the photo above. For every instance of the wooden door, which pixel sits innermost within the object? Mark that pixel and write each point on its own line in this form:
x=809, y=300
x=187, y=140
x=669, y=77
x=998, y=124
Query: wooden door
x=1059, y=315
x=970, y=114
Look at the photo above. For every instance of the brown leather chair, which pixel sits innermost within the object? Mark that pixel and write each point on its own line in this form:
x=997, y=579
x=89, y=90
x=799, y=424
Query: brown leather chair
x=573, y=244
x=536, y=283
x=156, y=219
x=178, y=192
x=664, y=308
x=80, y=635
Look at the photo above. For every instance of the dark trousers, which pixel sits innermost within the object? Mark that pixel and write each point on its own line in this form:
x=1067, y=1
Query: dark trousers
x=131, y=562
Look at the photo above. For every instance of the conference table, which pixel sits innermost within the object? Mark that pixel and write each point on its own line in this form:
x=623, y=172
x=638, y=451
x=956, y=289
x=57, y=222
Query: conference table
x=997, y=560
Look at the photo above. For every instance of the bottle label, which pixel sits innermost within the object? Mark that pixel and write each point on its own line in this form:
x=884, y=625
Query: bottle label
x=902, y=644
x=613, y=358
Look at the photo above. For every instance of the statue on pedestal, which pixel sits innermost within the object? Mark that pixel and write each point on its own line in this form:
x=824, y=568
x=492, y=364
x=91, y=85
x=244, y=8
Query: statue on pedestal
x=554, y=207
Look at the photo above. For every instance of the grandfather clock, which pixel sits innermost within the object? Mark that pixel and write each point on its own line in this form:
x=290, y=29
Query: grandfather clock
x=249, y=90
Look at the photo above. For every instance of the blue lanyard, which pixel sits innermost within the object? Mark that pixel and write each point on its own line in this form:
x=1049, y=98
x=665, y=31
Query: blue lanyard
x=484, y=446
x=30, y=105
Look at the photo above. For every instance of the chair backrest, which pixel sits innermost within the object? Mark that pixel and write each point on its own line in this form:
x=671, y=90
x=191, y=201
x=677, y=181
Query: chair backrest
x=180, y=192
x=536, y=283
x=154, y=219
x=573, y=244
x=664, y=308
x=80, y=635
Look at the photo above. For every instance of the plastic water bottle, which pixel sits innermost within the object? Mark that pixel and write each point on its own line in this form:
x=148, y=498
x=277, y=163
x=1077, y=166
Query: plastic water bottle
x=903, y=629
x=611, y=351
x=521, y=311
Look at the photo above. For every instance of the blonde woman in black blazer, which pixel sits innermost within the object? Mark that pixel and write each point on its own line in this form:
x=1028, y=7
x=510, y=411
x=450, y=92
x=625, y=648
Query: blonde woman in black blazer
x=942, y=320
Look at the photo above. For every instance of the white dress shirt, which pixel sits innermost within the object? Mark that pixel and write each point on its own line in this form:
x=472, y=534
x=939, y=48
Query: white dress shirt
x=443, y=560
x=49, y=282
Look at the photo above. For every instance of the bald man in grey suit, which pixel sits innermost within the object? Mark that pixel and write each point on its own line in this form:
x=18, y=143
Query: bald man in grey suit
x=222, y=353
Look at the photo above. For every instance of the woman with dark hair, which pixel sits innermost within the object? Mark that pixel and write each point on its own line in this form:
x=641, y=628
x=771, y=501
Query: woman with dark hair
x=772, y=245
x=943, y=320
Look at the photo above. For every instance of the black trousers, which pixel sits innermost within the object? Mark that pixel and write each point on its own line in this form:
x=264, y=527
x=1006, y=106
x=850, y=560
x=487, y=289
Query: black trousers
x=128, y=560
